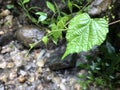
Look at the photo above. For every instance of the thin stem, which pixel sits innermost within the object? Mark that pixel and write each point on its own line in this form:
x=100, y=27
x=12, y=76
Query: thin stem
x=114, y=22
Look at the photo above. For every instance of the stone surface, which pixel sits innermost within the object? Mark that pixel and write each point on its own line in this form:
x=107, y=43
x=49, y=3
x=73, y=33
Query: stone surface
x=99, y=6
x=6, y=38
x=54, y=62
x=22, y=79
x=30, y=34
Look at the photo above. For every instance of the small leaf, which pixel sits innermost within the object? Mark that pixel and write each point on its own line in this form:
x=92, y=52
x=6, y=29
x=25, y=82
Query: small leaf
x=83, y=33
x=57, y=29
x=45, y=40
x=42, y=16
x=70, y=5
x=25, y=1
x=62, y=22
x=55, y=33
x=10, y=6
x=50, y=6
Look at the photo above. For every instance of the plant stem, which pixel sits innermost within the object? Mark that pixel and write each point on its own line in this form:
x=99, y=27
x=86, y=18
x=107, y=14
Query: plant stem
x=114, y=22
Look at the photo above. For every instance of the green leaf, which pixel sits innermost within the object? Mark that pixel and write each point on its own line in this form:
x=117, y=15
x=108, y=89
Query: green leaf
x=50, y=6
x=55, y=33
x=45, y=40
x=10, y=6
x=42, y=16
x=62, y=22
x=25, y=1
x=70, y=5
x=57, y=29
x=83, y=33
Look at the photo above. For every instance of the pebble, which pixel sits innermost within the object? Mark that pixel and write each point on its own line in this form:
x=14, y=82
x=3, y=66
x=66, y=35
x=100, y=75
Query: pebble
x=40, y=87
x=41, y=62
x=77, y=87
x=18, y=59
x=62, y=86
x=30, y=34
x=10, y=65
x=23, y=73
x=3, y=65
x=22, y=79
x=5, y=50
x=2, y=87
x=12, y=75
x=39, y=70
x=9, y=20
x=3, y=77
x=5, y=13
x=31, y=79
x=56, y=80
x=1, y=32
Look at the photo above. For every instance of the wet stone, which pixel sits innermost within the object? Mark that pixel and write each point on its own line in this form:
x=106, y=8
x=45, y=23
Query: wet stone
x=54, y=62
x=30, y=34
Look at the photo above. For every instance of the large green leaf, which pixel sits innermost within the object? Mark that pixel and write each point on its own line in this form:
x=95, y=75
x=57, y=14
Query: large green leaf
x=84, y=33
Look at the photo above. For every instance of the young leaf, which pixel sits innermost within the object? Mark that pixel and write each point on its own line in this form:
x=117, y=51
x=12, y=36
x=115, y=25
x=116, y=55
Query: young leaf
x=70, y=5
x=25, y=1
x=55, y=33
x=83, y=33
x=50, y=6
x=57, y=29
x=10, y=6
x=42, y=16
x=45, y=40
x=61, y=23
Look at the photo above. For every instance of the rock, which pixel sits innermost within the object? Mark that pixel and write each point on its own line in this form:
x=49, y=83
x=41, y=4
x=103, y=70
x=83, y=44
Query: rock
x=54, y=62
x=56, y=80
x=5, y=13
x=6, y=38
x=10, y=87
x=99, y=6
x=77, y=87
x=3, y=78
x=22, y=79
x=31, y=78
x=3, y=65
x=30, y=34
x=2, y=87
x=10, y=65
x=62, y=86
x=41, y=63
x=5, y=50
x=18, y=59
x=13, y=75
x=23, y=73
x=1, y=33
x=9, y=21
x=40, y=87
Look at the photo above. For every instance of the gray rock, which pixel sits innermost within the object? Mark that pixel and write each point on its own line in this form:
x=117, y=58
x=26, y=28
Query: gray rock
x=30, y=34
x=6, y=38
x=18, y=59
x=99, y=6
x=54, y=62
x=2, y=87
